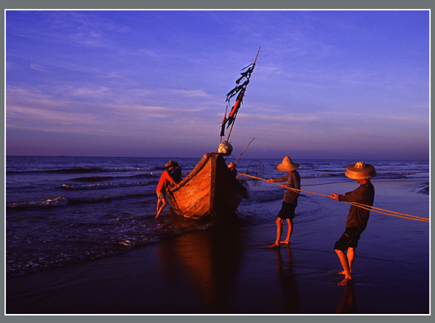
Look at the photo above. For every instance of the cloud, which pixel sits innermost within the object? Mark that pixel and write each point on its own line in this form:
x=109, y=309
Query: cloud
x=313, y=80
x=144, y=112
x=16, y=96
x=284, y=118
x=48, y=116
x=27, y=109
x=190, y=93
x=88, y=92
x=38, y=67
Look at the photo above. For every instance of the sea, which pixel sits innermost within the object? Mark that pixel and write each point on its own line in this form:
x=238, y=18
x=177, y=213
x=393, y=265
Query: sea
x=67, y=210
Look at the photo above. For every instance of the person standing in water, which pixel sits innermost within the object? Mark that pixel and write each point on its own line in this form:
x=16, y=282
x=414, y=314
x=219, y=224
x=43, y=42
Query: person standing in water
x=357, y=217
x=164, y=182
x=290, y=200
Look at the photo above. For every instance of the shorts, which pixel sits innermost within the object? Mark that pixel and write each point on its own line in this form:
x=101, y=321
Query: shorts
x=161, y=196
x=350, y=238
x=287, y=211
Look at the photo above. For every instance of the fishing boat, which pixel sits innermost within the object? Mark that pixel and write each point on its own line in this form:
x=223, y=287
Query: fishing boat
x=211, y=189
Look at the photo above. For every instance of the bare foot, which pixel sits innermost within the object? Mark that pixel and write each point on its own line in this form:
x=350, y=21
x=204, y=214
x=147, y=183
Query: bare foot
x=157, y=216
x=285, y=242
x=341, y=273
x=275, y=245
x=346, y=281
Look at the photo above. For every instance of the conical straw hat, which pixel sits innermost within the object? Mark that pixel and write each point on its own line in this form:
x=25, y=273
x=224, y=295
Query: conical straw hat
x=287, y=165
x=360, y=171
x=171, y=163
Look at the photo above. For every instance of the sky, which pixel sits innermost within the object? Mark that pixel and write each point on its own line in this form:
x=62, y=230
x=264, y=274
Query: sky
x=327, y=84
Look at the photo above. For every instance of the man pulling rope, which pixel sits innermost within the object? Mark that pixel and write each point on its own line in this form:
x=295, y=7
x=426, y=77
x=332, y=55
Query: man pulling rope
x=361, y=200
x=357, y=217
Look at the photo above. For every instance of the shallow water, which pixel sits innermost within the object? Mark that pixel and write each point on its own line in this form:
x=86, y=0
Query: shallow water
x=65, y=210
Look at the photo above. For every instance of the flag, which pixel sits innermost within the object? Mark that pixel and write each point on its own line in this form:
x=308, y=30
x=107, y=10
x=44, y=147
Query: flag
x=246, y=74
x=236, y=90
x=224, y=121
x=239, y=90
x=236, y=107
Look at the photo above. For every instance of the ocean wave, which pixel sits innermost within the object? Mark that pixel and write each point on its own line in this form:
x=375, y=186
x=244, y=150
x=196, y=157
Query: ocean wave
x=93, y=178
x=79, y=187
x=63, y=201
x=323, y=175
x=73, y=170
x=106, y=178
x=91, y=250
x=82, y=242
x=58, y=201
x=85, y=170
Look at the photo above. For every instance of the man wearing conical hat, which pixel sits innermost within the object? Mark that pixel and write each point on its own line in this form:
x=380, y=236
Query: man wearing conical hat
x=165, y=180
x=357, y=218
x=290, y=200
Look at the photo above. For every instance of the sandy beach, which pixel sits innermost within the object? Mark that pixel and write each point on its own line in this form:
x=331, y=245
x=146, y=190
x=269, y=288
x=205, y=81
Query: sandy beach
x=228, y=269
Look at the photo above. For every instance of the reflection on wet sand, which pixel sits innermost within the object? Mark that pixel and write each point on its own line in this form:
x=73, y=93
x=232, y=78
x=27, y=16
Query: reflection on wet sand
x=347, y=304
x=209, y=262
x=286, y=278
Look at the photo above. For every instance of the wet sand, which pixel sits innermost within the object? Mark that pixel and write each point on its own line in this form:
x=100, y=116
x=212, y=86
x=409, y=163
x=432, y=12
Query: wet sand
x=228, y=269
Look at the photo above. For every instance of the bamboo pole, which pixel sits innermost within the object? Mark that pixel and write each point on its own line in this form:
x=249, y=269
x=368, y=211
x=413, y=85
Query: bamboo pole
x=244, y=151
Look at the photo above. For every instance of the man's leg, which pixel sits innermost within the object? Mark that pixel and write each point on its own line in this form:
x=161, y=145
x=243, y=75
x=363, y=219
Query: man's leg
x=289, y=232
x=162, y=206
x=350, y=257
x=158, y=204
x=278, y=232
x=346, y=269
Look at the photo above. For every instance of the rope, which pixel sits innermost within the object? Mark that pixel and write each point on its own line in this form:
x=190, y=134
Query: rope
x=363, y=206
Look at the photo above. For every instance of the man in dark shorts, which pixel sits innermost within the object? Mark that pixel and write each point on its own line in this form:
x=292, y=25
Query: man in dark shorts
x=357, y=218
x=290, y=201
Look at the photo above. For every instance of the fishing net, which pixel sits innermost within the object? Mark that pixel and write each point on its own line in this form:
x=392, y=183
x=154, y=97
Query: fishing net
x=255, y=168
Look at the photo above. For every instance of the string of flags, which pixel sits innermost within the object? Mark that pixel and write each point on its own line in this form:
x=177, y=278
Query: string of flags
x=239, y=90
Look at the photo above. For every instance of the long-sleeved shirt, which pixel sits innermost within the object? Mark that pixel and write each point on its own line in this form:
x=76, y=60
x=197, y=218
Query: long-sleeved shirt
x=364, y=194
x=294, y=180
x=163, y=182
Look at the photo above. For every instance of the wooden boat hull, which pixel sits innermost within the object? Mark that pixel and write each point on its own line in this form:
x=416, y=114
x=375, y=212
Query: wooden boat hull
x=209, y=190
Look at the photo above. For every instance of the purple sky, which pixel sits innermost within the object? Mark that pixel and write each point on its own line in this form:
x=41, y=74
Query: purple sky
x=328, y=84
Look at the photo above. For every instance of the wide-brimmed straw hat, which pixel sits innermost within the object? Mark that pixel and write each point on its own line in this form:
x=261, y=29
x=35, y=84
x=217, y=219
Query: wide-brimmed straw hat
x=171, y=163
x=287, y=165
x=360, y=171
